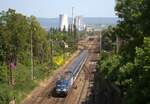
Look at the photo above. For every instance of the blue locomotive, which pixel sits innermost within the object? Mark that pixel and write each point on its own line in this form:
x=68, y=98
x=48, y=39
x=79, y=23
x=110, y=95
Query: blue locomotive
x=64, y=84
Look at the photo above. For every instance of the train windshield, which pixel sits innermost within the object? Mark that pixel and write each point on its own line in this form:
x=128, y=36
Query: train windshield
x=67, y=76
x=61, y=83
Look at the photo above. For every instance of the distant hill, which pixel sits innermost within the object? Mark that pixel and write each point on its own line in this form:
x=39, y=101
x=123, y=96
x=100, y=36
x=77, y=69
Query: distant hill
x=54, y=22
x=101, y=20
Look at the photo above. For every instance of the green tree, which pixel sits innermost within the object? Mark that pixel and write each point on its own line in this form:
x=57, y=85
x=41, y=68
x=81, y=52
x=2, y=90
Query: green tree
x=141, y=84
x=133, y=68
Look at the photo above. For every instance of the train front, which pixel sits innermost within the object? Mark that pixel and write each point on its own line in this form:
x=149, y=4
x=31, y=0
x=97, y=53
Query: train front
x=63, y=85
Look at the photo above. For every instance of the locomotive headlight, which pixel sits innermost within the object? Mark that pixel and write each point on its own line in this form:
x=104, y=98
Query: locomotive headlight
x=64, y=89
x=57, y=90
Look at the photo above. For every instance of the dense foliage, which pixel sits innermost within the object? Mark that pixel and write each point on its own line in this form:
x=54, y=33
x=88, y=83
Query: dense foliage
x=20, y=37
x=130, y=68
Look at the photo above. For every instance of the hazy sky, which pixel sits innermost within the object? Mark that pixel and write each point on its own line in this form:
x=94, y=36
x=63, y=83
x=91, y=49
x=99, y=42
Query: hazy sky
x=52, y=8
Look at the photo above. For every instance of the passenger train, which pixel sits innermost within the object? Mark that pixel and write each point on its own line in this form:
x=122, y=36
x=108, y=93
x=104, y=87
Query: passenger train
x=65, y=83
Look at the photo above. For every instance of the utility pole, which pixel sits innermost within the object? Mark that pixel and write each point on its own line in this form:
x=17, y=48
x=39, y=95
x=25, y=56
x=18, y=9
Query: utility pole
x=100, y=40
x=117, y=44
x=72, y=16
x=74, y=27
x=51, y=45
x=31, y=56
x=64, y=56
x=51, y=54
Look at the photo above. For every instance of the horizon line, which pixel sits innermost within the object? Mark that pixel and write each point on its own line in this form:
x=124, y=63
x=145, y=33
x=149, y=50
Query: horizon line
x=71, y=17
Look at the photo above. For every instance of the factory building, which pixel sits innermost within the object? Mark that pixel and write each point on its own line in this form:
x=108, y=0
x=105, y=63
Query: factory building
x=63, y=19
x=78, y=21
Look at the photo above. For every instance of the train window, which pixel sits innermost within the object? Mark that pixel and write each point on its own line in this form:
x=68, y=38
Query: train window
x=67, y=75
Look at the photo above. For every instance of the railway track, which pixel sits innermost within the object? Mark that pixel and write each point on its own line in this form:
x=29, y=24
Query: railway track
x=43, y=94
x=88, y=81
x=76, y=83
x=84, y=82
x=75, y=96
x=85, y=90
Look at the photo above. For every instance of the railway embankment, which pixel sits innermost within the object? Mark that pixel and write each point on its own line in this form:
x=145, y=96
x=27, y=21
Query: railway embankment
x=105, y=92
x=45, y=84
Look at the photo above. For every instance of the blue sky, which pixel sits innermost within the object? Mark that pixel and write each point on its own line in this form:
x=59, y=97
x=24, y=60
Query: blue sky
x=52, y=8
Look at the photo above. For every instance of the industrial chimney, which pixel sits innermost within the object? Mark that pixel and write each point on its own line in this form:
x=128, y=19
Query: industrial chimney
x=63, y=19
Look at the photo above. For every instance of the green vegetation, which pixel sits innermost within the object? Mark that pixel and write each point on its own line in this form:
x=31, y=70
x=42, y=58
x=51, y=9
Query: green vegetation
x=129, y=68
x=17, y=33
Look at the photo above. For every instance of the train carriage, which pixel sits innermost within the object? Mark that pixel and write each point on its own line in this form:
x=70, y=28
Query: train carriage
x=64, y=84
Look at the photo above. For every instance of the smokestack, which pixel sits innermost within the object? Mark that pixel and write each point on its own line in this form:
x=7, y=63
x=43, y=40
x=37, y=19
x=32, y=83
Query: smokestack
x=63, y=22
x=72, y=15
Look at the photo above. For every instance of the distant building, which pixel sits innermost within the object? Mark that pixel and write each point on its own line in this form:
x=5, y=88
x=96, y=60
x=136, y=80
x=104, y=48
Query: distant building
x=78, y=21
x=89, y=28
x=63, y=21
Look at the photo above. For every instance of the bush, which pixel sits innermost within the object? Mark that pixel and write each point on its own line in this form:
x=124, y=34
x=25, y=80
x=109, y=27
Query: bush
x=5, y=94
x=3, y=73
